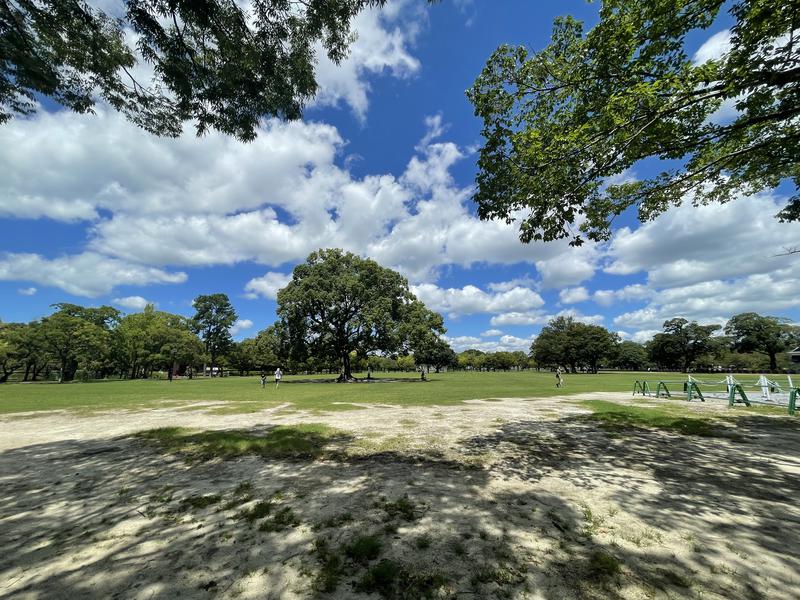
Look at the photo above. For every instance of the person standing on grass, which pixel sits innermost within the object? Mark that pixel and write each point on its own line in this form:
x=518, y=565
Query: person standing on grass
x=263, y=379
x=278, y=375
x=170, y=373
x=559, y=379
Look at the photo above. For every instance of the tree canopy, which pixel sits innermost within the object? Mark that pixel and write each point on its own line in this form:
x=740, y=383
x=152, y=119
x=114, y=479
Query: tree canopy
x=565, y=125
x=751, y=332
x=572, y=344
x=221, y=64
x=683, y=342
x=213, y=319
x=338, y=303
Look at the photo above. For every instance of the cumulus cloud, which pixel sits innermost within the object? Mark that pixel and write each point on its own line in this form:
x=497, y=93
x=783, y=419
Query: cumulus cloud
x=492, y=333
x=87, y=274
x=628, y=293
x=714, y=48
x=28, y=291
x=189, y=202
x=383, y=45
x=241, y=325
x=471, y=299
x=267, y=286
x=507, y=343
x=573, y=295
x=706, y=263
x=541, y=317
x=132, y=302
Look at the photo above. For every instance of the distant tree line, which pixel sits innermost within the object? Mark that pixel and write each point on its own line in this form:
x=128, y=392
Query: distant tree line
x=340, y=313
x=748, y=342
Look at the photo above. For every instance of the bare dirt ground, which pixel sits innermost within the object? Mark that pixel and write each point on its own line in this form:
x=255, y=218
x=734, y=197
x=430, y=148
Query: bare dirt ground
x=516, y=498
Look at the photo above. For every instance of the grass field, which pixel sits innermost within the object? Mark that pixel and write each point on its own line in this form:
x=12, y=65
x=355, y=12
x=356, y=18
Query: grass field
x=244, y=394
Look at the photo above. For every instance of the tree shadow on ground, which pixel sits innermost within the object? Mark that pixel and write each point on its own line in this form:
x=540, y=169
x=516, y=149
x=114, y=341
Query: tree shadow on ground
x=737, y=492
x=123, y=519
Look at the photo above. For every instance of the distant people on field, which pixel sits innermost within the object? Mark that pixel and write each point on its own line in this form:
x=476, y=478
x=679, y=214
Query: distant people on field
x=170, y=374
x=559, y=378
x=278, y=376
x=263, y=379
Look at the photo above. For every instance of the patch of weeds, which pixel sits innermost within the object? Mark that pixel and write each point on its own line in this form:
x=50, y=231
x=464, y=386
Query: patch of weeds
x=390, y=528
x=423, y=542
x=124, y=491
x=402, y=507
x=593, y=521
x=393, y=580
x=243, y=489
x=335, y=521
x=199, y=502
x=329, y=576
x=619, y=417
x=163, y=495
x=283, y=519
x=674, y=579
x=458, y=548
x=259, y=511
x=296, y=441
x=408, y=422
x=364, y=548
x=603, y=566
x=644, y=537
x=499, y=574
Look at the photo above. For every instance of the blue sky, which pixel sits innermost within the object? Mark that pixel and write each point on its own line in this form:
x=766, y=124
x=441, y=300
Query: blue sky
x=94, y=211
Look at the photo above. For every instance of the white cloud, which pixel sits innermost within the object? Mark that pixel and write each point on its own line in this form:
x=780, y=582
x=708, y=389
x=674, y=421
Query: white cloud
x=625, y=294
x=507, y=343
x=241, y=325
x=492, y=333
x=132, y=302
x=86, y=274
x=504, y=286
x=213, y=200
x=28, y=291
x=267, y=286
x=472, y=300
x=383, y=45
x=714, y=48
x=689, y=244
x=706, y=263
x=542, y=318
x=573, y=295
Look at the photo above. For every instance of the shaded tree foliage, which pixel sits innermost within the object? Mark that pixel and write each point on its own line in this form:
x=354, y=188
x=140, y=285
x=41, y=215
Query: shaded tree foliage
x=564, y=125
x=221, y=64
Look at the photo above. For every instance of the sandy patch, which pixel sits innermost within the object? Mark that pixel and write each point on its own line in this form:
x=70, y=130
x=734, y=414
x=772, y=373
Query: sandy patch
x=510, y=499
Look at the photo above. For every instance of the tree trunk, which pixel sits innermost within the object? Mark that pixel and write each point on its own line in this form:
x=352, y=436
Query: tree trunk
x=773, y=362
x=347, y=374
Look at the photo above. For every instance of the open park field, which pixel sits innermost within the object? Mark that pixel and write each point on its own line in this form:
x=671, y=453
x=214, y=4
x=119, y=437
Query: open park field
x=479, y=485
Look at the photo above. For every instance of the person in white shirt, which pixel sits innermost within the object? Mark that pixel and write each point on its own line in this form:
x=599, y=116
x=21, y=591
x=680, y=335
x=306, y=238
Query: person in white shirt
x=278, y=375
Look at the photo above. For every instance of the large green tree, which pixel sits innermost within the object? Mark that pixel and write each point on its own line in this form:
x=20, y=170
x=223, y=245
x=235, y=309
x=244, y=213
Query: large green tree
x=572, y=344
x=222, y=64
x=564, y=125
x=213, y=319
x=338, y=303
x=75, y=336
x=435, y=353
x=682, y=343
x=751, y=332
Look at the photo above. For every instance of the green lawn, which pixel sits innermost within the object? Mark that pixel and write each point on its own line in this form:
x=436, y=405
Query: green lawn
x=245, y=394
